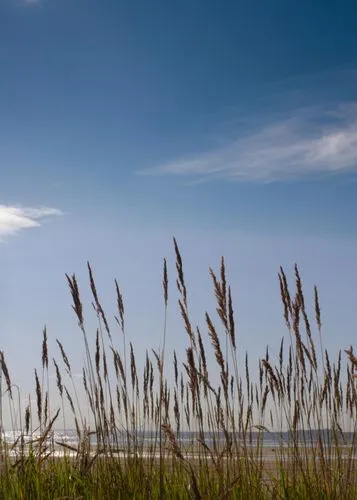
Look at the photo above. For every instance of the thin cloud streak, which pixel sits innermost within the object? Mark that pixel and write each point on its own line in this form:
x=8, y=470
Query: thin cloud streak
x=14, y=218
x=312, y=142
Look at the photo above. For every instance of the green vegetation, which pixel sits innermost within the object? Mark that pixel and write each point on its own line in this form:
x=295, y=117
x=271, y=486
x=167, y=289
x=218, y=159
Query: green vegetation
x=305, y=396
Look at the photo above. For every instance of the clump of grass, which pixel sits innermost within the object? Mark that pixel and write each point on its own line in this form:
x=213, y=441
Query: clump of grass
x=202, y=428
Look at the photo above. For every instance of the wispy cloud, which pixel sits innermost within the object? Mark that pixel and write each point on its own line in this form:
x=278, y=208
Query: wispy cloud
x=31, y=2
x=14, y=219
x=308, y=142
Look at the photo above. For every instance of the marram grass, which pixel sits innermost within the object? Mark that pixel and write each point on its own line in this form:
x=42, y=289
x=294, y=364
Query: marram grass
x=201, y=427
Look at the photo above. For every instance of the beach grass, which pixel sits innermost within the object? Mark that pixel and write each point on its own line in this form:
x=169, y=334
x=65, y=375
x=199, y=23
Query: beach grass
x=226, y=411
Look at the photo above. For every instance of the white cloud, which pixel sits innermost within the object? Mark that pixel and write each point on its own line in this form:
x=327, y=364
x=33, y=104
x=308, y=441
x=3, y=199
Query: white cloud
x=311, y=142
x=13, y=218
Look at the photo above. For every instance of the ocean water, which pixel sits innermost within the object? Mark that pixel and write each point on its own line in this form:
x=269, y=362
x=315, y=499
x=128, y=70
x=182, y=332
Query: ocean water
x=187, y=440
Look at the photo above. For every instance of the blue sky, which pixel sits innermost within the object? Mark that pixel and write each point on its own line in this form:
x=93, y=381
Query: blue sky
x=232, y=125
